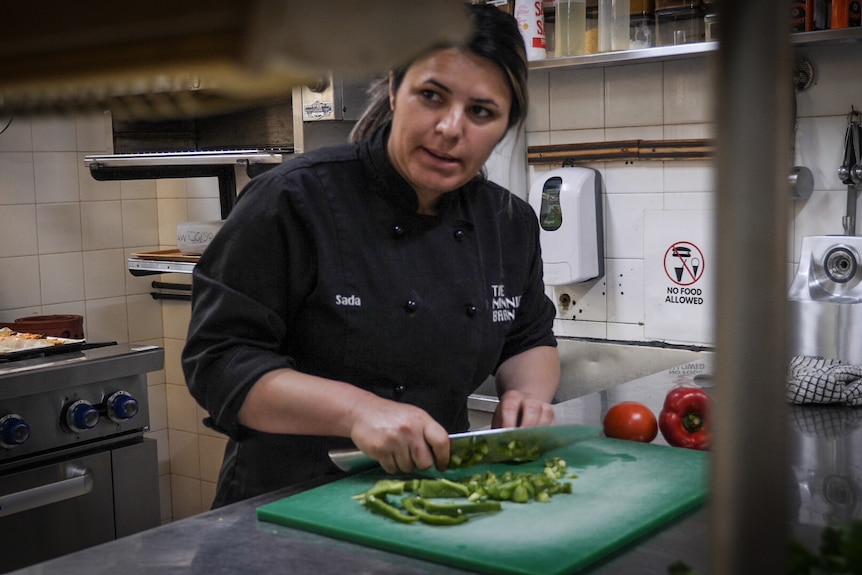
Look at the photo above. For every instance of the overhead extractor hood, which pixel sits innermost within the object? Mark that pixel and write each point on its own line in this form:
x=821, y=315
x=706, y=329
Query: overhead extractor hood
x=168, y=59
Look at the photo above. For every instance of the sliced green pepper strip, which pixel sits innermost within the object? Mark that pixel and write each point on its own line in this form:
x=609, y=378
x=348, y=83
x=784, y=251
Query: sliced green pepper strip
x=413, y=505
x=442, y=488
x=456, y=508
x=381, y=507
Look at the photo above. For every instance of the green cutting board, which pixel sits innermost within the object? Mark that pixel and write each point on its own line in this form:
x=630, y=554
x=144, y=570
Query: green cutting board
x=624, y=490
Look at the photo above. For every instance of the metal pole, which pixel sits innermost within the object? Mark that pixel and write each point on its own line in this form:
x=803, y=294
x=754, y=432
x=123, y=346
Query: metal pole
x=754, y=90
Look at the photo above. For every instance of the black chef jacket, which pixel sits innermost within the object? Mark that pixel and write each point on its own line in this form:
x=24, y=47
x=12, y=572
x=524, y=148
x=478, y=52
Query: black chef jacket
x=324, y=266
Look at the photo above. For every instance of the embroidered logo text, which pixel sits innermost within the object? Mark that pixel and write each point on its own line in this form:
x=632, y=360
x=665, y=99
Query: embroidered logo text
x=503, y=307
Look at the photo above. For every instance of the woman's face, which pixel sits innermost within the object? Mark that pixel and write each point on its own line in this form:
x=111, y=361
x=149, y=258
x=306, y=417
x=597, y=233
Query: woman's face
x=450, y=111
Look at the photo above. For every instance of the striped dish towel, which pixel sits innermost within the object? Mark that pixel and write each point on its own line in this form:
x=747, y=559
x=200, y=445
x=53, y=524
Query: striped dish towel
x=819, y=381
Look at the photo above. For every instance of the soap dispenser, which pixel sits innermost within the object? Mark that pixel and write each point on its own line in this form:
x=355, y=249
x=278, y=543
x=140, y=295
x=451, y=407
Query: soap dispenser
x=568, y=203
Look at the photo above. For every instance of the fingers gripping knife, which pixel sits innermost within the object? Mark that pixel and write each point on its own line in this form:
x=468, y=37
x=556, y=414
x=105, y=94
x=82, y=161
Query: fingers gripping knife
x=514, y=444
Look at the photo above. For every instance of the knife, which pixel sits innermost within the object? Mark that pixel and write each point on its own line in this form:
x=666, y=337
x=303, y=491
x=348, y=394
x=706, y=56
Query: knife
x=516, y=444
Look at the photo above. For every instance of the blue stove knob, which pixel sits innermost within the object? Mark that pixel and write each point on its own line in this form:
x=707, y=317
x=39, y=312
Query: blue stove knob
x=82, y=415
x=13, y=431
x=122, y=405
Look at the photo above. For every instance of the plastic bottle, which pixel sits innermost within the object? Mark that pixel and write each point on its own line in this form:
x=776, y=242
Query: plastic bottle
x=614, y=24
x=530, y=15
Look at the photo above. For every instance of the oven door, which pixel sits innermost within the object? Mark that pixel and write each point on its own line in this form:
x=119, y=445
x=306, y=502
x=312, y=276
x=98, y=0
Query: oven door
x=55, y=509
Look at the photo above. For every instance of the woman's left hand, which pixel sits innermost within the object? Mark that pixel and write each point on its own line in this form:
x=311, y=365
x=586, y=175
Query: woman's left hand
x=526, y=384
x=518, y=409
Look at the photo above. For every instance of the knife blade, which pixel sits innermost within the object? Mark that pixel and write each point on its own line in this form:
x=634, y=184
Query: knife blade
x=516, y=444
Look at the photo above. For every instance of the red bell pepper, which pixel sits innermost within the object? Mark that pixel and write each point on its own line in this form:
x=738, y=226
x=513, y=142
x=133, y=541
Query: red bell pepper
x=684, y=418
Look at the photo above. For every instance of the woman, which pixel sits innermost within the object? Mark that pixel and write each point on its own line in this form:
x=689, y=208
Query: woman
x=360, y=293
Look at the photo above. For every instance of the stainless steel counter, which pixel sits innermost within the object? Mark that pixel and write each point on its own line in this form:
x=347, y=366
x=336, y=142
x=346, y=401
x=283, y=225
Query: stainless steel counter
x=824, y=484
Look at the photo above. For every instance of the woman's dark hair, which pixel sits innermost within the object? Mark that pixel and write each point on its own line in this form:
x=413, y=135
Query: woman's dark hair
x=496, y=37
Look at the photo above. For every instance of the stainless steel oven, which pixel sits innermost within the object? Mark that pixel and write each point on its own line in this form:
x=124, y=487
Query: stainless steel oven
x=75, y=467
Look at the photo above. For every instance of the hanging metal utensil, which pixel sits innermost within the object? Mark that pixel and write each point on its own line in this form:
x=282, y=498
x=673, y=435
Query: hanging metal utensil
x=850, y=170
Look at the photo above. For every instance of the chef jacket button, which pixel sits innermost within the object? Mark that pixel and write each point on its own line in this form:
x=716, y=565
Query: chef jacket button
x=458, y=234
x=398, y=231
x=410, y=306
x=470, y=309
x=399, y=390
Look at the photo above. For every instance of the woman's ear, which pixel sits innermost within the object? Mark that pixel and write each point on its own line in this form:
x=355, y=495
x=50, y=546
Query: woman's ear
x=391, y=91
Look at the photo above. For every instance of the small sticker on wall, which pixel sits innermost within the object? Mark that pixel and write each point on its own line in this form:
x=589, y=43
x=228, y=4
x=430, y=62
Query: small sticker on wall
x=678, y=294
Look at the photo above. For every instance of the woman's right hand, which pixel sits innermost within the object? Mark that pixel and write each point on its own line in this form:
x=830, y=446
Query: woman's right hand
x=401, y=437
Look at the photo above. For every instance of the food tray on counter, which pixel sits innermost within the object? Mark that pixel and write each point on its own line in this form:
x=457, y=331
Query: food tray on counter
x=162, y=261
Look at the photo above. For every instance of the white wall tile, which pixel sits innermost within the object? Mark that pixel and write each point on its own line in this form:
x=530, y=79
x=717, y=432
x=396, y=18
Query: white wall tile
x=165, y=498
x=93, y=190
x=172, y=212
x=185, y=496
x=101, y=225
x=577, y=99
x=145, y=318
x=690, y=131
x=837, y=83
x=54, y=134
x=175, y=318
x=538, y=118
x=93, y=133
x=625, y=332
x=18, y=230
x=634, y=178
x=576, y=136
x=104, y=274
x=59, y=228
x=157, y=397
x=821, y=214
x=570, y=328
x=56, y=176
x=182, y=409
x=820, y=148
x=106, y=319
x=204, y=210
x=138, y=189
x=16, y=178
x=19, y=282
x=15, y=134
x=185, y=458
x=690, y=201
x=62, y=277
x=689, y=176
x=624, y=223
x=688, y=91
x=633, y=95
x=634, y=133
x=171, y=188
x=140, y=223
x=173, y=367
x=68, y=307
x=211, y=456
x=625, y=287
x=202, y=187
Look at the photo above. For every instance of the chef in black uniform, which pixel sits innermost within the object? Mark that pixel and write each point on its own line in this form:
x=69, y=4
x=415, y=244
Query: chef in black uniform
x=357, y=294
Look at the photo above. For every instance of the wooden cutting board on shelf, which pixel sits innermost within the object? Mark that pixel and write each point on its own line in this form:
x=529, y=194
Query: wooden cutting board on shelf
x=624, y=491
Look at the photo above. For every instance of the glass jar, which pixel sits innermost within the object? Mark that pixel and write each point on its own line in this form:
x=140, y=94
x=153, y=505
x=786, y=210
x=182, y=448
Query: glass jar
x=642, y=32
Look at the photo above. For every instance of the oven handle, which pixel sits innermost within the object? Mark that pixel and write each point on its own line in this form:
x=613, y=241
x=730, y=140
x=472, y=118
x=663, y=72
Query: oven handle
x=79, y=484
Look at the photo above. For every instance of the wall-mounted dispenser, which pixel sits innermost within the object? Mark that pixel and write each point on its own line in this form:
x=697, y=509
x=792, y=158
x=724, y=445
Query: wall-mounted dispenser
x=568, y=202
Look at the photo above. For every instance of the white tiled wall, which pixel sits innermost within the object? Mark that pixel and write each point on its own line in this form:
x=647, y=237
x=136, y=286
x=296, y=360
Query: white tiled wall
x=675, y=100
x=64, y=241
x=64, y=237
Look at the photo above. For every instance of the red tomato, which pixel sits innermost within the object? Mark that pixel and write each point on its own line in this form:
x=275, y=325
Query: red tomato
x=631, y=420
